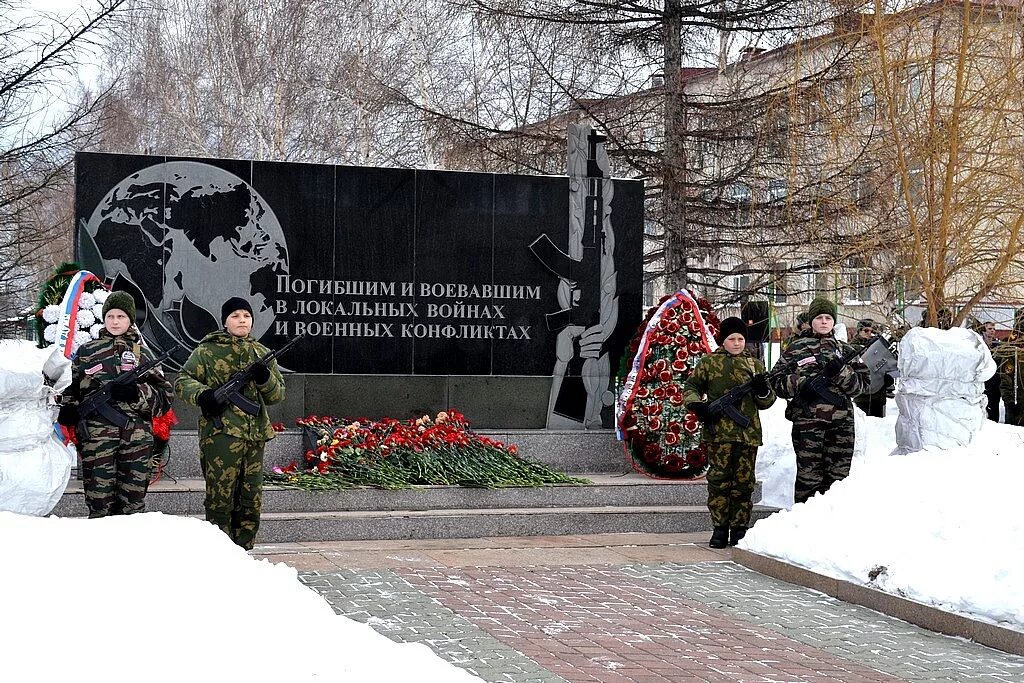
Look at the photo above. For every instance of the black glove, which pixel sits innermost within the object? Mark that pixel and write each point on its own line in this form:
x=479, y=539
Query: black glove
x=68, y=415
x=700, y=410
x=210, y=406
x=759, y=384
x=260, y=373
x=127, y=393
x=833, y=368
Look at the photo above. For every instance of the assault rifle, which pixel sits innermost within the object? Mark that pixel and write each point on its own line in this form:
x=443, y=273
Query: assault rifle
x=726, y=405
x=98, y=400
x=231, y=390
x=818, y=385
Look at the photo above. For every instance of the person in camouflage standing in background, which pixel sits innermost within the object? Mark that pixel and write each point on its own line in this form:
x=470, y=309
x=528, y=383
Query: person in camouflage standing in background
x=802, y=323
x=872, y=404
x=1008, y=356
x=232, y=455
x=823, y=434
x=116, y=463
x=732, y=448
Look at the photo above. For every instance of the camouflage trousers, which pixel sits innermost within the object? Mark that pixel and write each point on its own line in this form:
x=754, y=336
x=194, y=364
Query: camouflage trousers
x=730, y=483
x=116, y=468
x=824, y=450
x=233, y=469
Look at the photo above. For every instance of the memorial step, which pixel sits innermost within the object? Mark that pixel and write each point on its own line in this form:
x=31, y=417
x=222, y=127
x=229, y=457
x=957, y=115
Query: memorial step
x=287, y=527
x=610, y=504
x=564, y=450
x=185, y=496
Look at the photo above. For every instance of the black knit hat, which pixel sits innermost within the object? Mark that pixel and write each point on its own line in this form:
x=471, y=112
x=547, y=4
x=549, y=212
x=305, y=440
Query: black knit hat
x=122, y=301
x=866, y=322
x=731, y=326
x=235, y=303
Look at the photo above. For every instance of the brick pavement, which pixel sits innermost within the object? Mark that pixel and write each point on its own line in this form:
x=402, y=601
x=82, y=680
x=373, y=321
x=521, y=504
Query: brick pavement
x=650, y=622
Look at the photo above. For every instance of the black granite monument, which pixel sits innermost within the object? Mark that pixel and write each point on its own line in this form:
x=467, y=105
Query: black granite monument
x=418, y=290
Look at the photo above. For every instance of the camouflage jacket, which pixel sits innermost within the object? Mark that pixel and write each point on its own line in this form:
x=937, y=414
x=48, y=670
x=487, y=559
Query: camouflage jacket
x=805, y=358
x=101, y=360
x=714, y=376
x=218, y=356
x=1008, y=356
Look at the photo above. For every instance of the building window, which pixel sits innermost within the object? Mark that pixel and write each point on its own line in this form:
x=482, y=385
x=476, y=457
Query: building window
x=826, y=283
x=776, y=136
x=866, y=101
x=859, y=278
x=915, y=185
x=813, y=114
x=913, y=86
x=741, y=283
x=862, y=188
x=777, y=190
x=738, y=194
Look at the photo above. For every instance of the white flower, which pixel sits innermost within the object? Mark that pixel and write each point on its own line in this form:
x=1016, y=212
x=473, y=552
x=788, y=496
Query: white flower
x=50, y=333
x=97, y=311
x=51, y=313
x=87, y=300
x=94, y=331
x=85, y=319
x=100, y=295
x=80, y=338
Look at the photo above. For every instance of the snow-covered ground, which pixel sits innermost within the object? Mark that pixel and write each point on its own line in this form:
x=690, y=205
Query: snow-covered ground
x=942, y=527
x=160, y=598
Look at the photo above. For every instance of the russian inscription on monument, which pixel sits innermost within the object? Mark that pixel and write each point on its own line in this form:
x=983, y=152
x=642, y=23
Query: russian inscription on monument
x=387, y=271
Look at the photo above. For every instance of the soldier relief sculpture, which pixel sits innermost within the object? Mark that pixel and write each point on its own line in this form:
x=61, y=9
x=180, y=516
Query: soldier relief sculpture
x=580, y=386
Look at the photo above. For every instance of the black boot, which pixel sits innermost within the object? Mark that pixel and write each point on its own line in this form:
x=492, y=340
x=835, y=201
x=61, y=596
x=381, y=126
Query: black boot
x=719, y=537
x=736, y=533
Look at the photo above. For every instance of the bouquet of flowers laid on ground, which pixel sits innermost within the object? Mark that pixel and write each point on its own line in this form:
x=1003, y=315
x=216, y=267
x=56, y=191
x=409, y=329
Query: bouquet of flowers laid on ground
x=662, y=437
x=393, y=454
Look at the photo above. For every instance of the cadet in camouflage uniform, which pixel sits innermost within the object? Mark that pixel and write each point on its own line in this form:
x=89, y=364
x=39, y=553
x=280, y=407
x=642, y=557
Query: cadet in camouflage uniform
x=1009, y=356
x=116, y=463
x=732, y=449
x=232, y=456
x=871, y=404
x=823, y=434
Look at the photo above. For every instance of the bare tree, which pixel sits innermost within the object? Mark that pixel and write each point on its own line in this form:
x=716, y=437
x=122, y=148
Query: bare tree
x=40, y=127
x=949, y=78
x=297, y=80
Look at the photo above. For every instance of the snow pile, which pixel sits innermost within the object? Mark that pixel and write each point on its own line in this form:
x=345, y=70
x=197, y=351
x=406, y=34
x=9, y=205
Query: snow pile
x=941, y=396
x=173, y=599
x=938, y=526
x=34, y=464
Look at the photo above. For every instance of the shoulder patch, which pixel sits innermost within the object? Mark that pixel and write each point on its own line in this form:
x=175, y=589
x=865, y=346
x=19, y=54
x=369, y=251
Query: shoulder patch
x=806, y=361
x=94, y=369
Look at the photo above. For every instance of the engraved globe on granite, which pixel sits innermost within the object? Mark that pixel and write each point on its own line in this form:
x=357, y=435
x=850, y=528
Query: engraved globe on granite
x=189, y=235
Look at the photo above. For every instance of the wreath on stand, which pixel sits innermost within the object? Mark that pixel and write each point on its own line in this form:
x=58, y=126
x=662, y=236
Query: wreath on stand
x=662, y=437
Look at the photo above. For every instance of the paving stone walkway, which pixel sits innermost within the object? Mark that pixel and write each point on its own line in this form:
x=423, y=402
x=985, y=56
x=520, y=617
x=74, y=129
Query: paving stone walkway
x=646, y=622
